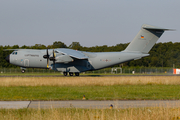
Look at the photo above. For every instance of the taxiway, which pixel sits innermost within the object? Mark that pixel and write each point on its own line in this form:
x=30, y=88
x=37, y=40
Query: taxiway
x=89, y=104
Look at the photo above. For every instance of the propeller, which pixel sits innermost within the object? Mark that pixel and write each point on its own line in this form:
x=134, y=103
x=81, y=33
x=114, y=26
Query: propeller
x=47, y=57
x=53, y=58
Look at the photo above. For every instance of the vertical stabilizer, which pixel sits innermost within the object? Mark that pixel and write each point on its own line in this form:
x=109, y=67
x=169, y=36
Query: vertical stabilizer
x=145, y=39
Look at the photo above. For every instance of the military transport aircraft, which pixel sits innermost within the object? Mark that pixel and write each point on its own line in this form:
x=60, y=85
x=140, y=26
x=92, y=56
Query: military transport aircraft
x=74, y=62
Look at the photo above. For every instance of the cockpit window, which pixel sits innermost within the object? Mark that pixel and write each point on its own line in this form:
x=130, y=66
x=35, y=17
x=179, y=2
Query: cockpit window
x=14, y=53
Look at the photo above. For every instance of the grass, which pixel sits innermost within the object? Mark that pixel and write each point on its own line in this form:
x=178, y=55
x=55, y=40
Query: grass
x=157, y=113
x=89, y=81
x=115, y=92
x=55, y=73
x=121, y=92
x=94, y=88
x=31, y=74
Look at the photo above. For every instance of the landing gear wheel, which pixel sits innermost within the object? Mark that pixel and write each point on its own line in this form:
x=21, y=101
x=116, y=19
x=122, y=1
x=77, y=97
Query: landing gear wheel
x=71, y=74
x=65, y=73
x=77, y=74
x=23, y=71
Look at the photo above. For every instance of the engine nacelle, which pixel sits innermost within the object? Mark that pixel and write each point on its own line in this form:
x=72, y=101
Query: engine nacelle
x=64, y=59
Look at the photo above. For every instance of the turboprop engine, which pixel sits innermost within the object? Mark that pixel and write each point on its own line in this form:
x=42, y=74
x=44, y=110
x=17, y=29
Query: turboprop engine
x=63, y=59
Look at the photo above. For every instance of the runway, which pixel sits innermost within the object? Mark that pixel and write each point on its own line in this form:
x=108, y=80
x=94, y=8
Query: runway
x=90, y=104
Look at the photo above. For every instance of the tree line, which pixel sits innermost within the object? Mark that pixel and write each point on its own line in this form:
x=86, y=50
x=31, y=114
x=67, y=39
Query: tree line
x=161, y=55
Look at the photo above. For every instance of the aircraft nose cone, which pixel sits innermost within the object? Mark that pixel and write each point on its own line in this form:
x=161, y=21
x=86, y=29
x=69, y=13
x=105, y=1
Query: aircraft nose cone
x=7, y=58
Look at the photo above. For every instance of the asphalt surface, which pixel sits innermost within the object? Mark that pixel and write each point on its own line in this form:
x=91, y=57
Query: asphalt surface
x=90, y=104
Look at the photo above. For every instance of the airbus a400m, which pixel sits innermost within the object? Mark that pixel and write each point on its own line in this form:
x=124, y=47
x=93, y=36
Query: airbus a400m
x=74, y=62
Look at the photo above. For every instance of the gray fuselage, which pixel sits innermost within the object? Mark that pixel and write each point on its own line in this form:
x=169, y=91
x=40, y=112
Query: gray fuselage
x=96, y=60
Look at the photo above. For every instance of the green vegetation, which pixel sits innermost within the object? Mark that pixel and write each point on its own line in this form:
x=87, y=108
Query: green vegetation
x=89, y=73
x=161, y=55
x=114, y=92
x=94, y=88
x=31, y=74
x=91, y=114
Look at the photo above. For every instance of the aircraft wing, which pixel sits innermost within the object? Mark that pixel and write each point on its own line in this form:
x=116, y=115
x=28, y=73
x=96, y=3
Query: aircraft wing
x=73, y=53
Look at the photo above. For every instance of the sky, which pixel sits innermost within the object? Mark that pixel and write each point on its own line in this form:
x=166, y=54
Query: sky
x=89, y=22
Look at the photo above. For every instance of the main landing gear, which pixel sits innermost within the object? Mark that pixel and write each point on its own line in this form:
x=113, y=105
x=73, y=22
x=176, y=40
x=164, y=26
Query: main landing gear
x=70, y=74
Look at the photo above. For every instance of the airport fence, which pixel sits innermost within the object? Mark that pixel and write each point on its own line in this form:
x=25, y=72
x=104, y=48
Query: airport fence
x=116, y=70
x=135, y=71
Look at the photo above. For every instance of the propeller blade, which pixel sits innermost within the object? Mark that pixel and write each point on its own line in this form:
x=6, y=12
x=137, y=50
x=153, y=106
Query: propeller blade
x=47, y=63
x=47, y=53
x=54, y=59
x=47, y=58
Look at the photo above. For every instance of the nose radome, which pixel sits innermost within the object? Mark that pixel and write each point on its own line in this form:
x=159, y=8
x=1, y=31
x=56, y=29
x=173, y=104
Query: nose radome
x=7, y=58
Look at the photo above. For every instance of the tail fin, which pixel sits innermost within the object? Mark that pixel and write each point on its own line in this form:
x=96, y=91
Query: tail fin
x=145, y=39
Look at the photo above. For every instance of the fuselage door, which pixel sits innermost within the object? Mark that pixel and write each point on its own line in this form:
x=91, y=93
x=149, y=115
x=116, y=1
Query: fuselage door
x=26, y=63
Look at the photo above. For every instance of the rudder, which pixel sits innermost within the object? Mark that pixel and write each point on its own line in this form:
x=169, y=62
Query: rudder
x=145, y=39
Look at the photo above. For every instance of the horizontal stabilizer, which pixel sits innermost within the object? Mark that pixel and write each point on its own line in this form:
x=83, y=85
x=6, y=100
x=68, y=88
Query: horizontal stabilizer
x=156, y=28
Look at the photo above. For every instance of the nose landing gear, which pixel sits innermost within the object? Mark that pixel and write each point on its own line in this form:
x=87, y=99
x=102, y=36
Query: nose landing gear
x=23, y=69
